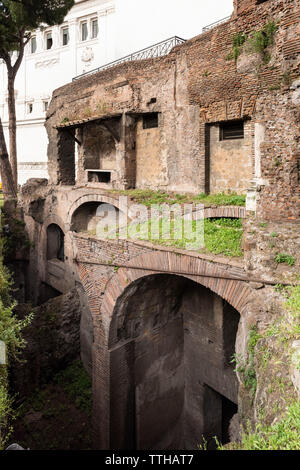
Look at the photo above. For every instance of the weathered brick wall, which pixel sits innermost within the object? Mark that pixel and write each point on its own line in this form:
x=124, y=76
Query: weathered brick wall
x=264, y=241
x=196, y=85
x=230, y=161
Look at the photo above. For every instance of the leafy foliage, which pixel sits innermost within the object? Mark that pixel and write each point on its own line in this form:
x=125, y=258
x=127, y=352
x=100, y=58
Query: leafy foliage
x=284, y=258
x=282, y=435
x=293, y=302
x=245, y=366
x=263, y=38
x=221, y=235
x=255, y=42
x=237, y=42
x=77, y=384
x=19, y=17
x=11, y=334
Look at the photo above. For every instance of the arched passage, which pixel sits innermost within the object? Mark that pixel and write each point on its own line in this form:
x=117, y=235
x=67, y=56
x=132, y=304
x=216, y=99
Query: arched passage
x=171, y=344
x=55, y=243
x=86, y=217
x=218, y=278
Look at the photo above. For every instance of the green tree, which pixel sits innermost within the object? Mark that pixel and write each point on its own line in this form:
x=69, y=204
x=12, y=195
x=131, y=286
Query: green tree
x=18, y=18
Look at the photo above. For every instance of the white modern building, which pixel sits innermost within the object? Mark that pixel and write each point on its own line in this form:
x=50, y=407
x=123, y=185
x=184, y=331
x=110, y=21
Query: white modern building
x=94, y=33
x=53, y=57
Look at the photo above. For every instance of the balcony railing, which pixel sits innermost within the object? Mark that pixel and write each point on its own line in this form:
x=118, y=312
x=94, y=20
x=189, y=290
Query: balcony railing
x=157, y=50
x=216, y=23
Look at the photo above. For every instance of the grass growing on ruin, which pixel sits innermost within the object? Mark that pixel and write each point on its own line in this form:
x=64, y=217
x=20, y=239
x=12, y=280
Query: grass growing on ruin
x=284, y=258
x=221, y=235
x=256, y=42
x=149, y=197
x=283, y=435
x=270, y=356
x=77, y=384
x=245, y=366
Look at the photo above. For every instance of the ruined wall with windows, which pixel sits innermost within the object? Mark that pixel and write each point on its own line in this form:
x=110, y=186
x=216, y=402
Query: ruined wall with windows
x=194, y=121
x=196, y=90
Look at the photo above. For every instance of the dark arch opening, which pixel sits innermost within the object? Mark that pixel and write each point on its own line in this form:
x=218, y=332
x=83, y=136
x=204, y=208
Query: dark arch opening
x=55, y=243
x=172, y=379
x=85, y=217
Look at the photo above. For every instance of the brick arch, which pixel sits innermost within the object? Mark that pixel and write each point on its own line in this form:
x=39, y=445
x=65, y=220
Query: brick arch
x=236, y=293
x=54, y=219
x=51, y=219
x=109, y=371
x=90, y=198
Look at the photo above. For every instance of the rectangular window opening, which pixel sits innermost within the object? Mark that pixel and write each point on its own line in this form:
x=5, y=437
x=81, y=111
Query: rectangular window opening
x=150, y=121
x=99, y=177
x=84, y=31
x=232, y=130
x=49, y=41
x=33, y=45
x=218, y=412
x=46, y=105
x=65, y=36
x=95, y=28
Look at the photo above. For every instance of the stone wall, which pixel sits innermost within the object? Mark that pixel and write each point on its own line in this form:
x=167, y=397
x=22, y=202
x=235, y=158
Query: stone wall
x=272, y=250
x=53, y=341
x=193, y=86
x=231, y=164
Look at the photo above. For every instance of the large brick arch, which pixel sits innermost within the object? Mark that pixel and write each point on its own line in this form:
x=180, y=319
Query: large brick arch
x=105, y=370
x=235, y=292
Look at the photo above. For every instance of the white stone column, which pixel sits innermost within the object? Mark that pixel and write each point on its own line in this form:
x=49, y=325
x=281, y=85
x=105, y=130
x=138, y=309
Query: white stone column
x=73, y=37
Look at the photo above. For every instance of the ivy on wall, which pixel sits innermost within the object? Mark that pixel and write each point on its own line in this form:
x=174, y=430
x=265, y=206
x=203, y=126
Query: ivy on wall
x=256, y=42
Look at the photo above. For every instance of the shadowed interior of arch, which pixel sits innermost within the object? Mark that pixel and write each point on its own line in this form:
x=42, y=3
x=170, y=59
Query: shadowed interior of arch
x=86, y=217
x=55, y=243
x=172, y=377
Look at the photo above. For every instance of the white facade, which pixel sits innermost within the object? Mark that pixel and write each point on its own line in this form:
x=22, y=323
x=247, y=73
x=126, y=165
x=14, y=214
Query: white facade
x=86, y=40
x=124, y=26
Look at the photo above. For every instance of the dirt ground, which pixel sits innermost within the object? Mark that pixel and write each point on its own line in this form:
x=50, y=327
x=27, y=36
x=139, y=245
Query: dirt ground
x=58, y=416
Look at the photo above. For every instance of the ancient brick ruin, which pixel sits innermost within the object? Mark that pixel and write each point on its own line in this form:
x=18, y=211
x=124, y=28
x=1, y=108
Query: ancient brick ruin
x=158, y=334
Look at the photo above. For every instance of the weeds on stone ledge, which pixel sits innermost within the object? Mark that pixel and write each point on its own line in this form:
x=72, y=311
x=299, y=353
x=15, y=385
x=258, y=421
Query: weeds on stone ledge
x=149, y=197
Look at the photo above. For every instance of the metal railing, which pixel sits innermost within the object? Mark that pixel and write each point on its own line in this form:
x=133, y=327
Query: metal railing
x=216, y=23
x=157, y=50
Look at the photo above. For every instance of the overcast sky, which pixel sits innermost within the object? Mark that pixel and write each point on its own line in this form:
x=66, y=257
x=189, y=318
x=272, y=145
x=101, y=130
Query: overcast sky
x=145, y=22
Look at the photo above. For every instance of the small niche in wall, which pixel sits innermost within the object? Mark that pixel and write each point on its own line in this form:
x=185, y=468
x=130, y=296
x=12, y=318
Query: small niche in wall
x=258, y=2
x=231, y=130
x=150, y=121
x=55, y=243
x=99, y=176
